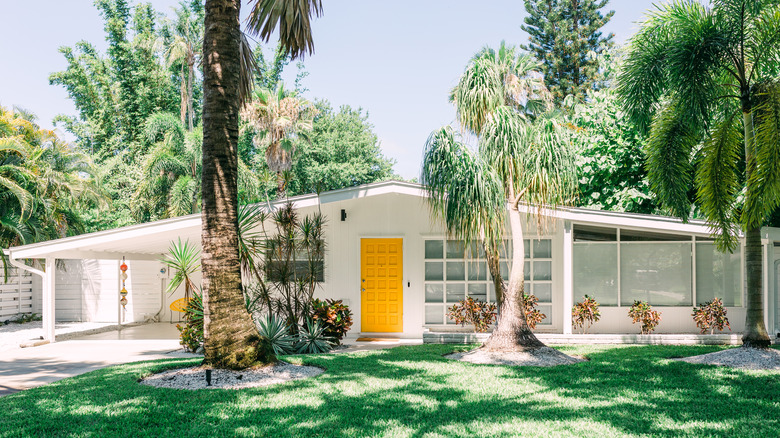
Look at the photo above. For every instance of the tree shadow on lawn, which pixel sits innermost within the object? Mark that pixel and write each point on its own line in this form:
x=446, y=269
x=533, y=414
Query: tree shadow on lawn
x=414, y=391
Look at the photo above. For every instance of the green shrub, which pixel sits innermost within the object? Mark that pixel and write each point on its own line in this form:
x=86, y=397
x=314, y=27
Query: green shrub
x=643, y=312
x=312, y=338
x=191, y=333
x=585, y=313
x=532, y=315
x=710, y=316
x=335, y=317
x=470, y=311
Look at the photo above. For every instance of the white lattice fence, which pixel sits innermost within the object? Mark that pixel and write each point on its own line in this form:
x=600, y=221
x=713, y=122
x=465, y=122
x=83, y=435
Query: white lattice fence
x=15, y=293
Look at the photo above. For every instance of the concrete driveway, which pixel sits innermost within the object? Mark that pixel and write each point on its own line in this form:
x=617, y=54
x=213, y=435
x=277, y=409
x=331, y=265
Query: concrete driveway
x=35, y=366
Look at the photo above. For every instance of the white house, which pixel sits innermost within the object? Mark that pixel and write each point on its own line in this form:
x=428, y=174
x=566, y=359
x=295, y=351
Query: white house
x=397, y=270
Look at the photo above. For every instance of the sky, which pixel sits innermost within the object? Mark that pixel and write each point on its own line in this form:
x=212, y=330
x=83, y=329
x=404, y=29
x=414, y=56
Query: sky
x=395, y=59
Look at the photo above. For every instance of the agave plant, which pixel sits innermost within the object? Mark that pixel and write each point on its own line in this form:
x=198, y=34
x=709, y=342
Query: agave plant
x=275, y=335
x=312, y=339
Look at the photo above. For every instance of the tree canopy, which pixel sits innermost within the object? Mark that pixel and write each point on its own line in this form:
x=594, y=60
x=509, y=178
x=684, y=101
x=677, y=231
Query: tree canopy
x=565, y=37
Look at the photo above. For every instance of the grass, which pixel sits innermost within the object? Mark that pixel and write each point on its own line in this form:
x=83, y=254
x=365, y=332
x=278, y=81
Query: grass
x=414, y=392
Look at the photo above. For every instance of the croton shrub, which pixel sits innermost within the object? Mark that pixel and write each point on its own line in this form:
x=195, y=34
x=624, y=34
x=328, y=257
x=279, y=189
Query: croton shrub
x=585, y=313
x=480, y=314
x=711, y=315
x=335, y=317
x=532, y=315
x=642, y=312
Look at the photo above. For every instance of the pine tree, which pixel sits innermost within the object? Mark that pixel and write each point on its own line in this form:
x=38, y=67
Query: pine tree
x=562, y=35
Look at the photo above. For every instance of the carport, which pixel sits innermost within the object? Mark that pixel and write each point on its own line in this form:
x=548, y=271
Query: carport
x=105, y=250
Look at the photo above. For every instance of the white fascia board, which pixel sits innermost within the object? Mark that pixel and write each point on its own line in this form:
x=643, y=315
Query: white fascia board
x=627, y=220
x=106, y=255
x=364, y=191
x=82, y=243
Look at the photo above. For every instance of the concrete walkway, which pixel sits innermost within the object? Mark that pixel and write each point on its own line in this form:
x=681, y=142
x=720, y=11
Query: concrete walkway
x=35, y=366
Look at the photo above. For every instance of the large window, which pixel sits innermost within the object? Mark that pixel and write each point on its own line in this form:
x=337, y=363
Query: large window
x=617, y=267
x=454, y=272
x=718, y=275
x=656, y=272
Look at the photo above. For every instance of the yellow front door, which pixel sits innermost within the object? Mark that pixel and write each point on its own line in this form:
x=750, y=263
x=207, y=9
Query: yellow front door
x=382, y=293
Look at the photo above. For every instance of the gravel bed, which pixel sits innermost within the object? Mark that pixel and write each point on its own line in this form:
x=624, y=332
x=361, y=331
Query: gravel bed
x=742, y=357
x=195, y=378
x=540, y=357
x=11, y=335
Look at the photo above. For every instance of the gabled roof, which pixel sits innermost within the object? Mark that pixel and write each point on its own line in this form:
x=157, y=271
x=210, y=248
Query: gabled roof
x=150, y=240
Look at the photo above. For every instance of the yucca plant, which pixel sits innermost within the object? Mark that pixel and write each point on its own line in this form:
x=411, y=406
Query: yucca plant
x=275, y=335
x=312, y=339
x=183, y=259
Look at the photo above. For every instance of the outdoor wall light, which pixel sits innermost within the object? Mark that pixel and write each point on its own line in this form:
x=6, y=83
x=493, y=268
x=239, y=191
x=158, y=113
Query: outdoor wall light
x=343, y=215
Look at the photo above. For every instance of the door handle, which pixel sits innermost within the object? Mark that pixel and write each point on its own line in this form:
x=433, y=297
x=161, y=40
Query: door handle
x=362, y=289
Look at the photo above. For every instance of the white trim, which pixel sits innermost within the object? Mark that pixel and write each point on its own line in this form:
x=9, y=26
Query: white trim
x=568, y=276
x=48, y=310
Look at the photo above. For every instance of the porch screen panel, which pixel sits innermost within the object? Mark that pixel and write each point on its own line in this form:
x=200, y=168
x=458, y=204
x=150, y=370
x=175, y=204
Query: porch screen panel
x=718, y=275
x=596, y=272
x=659, y=273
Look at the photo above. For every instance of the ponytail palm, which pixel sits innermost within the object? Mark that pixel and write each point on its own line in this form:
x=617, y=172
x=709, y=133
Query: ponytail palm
x=703, y=81
x=523, y=157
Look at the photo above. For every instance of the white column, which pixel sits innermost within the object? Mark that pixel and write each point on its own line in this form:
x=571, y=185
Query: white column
x=48, y=301
x=568, y=276
x=765, y=284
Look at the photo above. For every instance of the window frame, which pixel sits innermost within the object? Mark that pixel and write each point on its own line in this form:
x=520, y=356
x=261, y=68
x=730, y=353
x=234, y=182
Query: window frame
x=692, y=239
x=479, y=259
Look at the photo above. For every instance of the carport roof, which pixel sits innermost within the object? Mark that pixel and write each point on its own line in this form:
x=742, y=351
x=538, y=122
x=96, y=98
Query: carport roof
x=150, y=240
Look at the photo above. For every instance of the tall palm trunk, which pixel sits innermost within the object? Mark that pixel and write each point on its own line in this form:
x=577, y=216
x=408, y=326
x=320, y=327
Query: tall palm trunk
x=183, y=98
x=190, y=79
x=231, y=337
x=755, y=335
x=512, y=332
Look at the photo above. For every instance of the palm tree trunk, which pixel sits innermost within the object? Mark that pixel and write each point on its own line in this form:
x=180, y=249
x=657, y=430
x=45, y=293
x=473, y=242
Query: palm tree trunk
x=190, y=79
x=231, y=338
x=281, y=185
x=755, y=335
x=183, y=98
x=512, y=332
x=494, y=266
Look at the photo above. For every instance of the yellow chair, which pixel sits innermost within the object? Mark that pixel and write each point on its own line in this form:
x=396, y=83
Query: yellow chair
x=178, y=306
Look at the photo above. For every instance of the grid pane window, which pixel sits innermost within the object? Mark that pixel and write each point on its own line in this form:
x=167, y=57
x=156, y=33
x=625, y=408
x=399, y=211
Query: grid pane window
x=454, y=272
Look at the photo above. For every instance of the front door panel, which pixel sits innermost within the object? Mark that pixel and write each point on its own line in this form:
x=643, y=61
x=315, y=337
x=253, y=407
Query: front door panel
x=382, y=294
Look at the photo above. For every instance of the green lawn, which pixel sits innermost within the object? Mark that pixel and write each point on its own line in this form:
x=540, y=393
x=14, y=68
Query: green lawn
x=414, y=392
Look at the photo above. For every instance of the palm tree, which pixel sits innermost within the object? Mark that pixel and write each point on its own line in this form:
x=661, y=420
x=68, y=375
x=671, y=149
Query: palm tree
x=184, y=49
x=702, y=81
x=522, y=158
x=44, y=183
x=278, y=119
x=172, y=170
x=231, y=337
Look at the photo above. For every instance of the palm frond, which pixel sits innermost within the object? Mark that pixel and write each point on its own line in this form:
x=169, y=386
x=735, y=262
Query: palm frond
x=293, y=19
x=718, y=182
x=668, y=152
x=464, y=191
x=764, y=180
